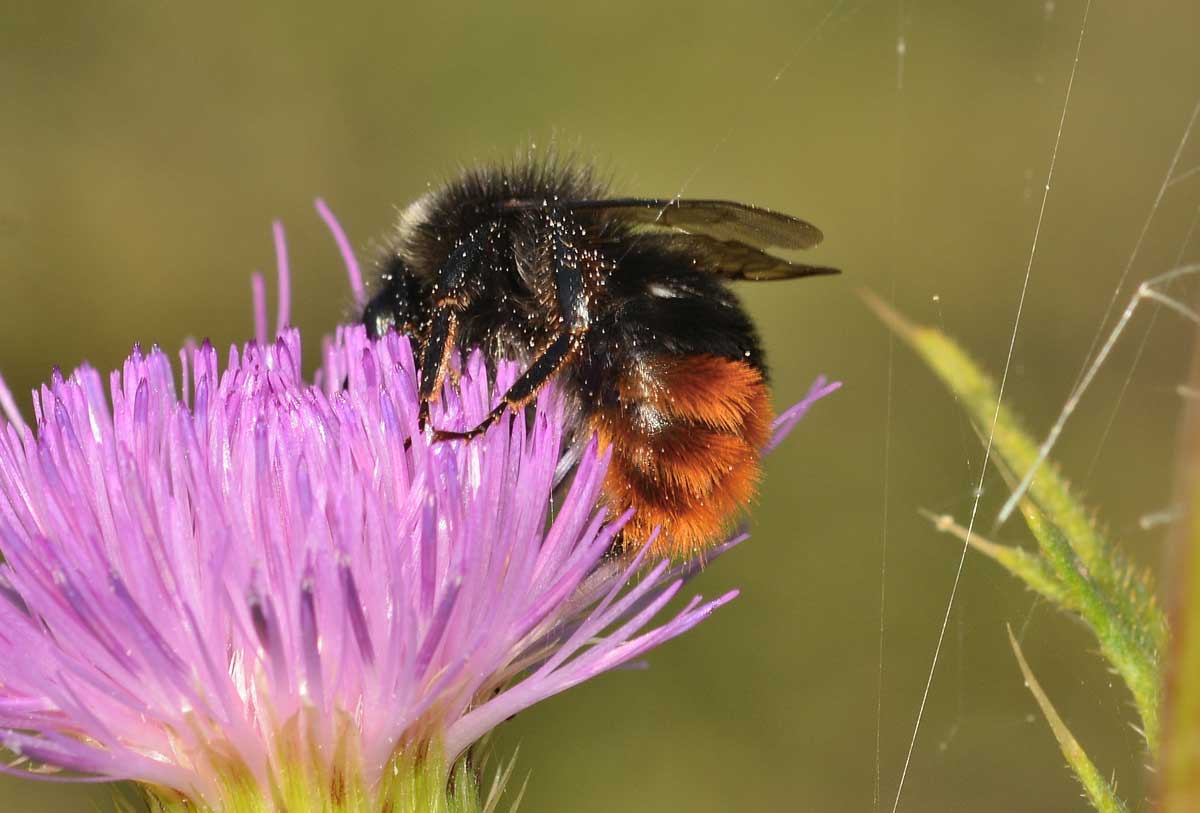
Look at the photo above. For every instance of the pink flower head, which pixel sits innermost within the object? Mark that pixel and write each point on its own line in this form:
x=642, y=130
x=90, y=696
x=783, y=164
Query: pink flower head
x=245, y=583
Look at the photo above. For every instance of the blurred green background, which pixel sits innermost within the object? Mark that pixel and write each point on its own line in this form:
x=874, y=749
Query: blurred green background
x=146, y=148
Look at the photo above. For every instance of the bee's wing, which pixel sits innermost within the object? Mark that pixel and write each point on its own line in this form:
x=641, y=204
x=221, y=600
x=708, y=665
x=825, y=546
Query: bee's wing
x=723, y=220
x=733, y=259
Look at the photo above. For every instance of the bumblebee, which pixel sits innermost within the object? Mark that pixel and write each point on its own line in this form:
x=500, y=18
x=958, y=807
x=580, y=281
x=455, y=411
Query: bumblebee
x=625, y=304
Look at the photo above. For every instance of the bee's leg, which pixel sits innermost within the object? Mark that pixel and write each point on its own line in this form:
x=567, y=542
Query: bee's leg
x=544, y=367
x=573, y=311
x=449, y=301
x=435, y=357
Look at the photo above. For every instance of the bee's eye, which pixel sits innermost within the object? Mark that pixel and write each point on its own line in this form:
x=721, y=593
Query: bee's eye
x=378, y=317
x=398, y=305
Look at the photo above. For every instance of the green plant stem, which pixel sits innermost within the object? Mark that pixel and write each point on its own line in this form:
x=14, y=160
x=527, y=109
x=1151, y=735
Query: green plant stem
x=1179, y=771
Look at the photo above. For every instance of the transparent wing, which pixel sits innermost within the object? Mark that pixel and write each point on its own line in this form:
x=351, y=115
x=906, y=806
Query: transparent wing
x=735, y=260
x=723, y=220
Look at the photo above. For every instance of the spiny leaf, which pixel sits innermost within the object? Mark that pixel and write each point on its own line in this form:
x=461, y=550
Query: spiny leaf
x=1100, y=792
x=1110, y=595
x=1119, y=644
x=1029, y=567
x=1012, y=446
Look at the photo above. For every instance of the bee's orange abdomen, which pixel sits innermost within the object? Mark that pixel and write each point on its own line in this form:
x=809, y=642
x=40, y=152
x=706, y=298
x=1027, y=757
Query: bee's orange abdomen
x=686, y=442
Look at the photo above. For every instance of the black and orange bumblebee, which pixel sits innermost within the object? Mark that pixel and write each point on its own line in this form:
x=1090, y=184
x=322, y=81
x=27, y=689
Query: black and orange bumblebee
x=624, y=303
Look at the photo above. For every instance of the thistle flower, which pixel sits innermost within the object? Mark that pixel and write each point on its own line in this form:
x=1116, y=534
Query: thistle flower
x=251, y=594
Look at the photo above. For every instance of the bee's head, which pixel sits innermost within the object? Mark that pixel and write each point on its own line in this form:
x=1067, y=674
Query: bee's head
x=400, y=302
